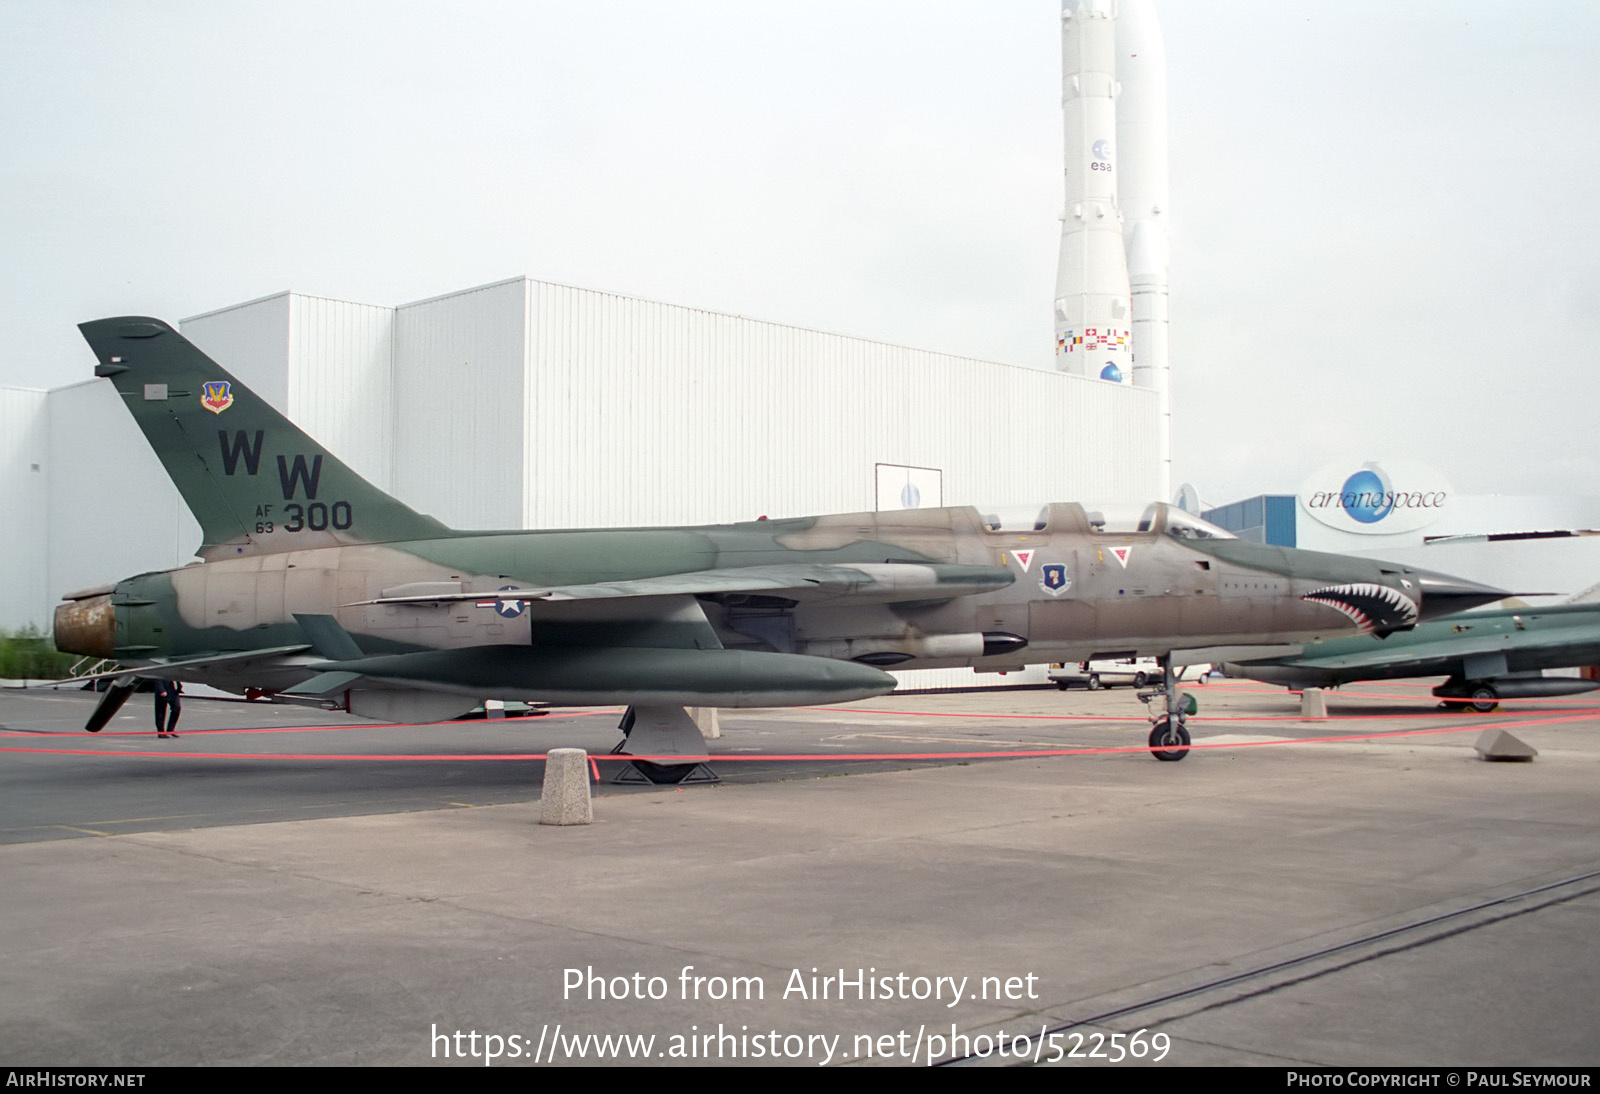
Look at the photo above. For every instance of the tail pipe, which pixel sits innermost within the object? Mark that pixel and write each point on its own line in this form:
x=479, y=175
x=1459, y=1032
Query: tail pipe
x=87, y=624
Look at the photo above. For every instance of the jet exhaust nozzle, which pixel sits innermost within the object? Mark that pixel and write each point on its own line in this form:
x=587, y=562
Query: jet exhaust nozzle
x=87, y=626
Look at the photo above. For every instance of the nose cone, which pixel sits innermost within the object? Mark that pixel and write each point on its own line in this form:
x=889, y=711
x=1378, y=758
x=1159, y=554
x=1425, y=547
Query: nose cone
x=1446, y=595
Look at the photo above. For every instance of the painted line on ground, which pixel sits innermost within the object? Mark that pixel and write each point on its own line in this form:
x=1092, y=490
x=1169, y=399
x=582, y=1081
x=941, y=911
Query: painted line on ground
x=1503, y=723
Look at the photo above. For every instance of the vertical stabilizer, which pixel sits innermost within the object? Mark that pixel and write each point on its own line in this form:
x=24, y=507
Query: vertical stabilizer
x=253, y=479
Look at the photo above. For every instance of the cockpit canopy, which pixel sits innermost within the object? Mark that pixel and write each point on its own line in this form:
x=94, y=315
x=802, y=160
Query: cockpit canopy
x=1184, y=525
x=1120, y=519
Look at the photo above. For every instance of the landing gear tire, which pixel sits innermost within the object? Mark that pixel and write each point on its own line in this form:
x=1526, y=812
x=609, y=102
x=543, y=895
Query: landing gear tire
x=1094, y=682
x=1485, y=699
x=1140, y=679
x=1169, y=743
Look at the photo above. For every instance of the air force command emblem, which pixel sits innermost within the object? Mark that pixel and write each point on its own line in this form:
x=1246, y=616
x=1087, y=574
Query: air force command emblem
x=1053, y=578
x=216, y=396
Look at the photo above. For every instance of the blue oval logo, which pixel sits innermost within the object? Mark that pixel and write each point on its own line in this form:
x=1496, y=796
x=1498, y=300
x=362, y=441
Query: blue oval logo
x=1111, y=372
x=1366, y=497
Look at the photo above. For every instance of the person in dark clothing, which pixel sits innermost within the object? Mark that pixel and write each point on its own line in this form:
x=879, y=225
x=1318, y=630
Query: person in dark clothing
x=168, y=707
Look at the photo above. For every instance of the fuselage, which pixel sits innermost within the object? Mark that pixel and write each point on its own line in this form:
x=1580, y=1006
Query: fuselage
x=1076, y=590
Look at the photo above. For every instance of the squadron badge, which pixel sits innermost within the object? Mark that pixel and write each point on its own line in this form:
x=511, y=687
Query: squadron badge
x=216, y=396
x=1054, y=579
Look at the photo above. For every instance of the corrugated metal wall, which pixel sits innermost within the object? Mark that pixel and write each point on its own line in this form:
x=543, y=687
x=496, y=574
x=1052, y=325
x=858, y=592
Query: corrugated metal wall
x=646, y=413
x=326, y=364
x=24, y=500
x=113, y=510
x=250, y=340
x=459, y=382
x=341, y=381
x=525, y=403
x=83, y=500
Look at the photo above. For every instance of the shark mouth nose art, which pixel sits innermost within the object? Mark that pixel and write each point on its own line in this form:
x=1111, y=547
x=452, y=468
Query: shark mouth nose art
x=1370, y=606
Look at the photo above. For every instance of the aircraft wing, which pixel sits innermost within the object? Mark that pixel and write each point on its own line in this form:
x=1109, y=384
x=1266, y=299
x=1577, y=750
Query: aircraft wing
x=879, y=581
x=1439, y=652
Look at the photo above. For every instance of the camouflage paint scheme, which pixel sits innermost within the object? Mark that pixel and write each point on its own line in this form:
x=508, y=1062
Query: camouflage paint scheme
x=317, y=585
x=1486, y=655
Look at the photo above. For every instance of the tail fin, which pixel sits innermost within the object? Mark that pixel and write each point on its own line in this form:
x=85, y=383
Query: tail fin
x=255, y=482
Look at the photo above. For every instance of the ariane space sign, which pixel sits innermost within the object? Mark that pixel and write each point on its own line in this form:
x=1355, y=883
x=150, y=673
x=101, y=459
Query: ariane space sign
x=1375, y=498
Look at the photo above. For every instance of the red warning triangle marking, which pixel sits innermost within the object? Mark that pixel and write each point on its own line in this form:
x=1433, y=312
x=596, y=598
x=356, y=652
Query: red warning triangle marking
x=1024, y=559
x=1121, y=554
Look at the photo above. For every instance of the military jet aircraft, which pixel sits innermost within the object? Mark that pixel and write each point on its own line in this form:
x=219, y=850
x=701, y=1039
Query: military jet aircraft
x=1486, y=655
x=316, y=586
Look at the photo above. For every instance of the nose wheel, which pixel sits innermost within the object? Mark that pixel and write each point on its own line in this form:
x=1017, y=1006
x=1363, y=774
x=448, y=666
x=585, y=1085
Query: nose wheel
x=1169, y=737
x=1169, y=740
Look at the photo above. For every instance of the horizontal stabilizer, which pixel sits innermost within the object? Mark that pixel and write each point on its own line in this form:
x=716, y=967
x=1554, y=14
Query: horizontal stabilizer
x=176, y=668
x=324, y=683
x=109, y=704
x=327, y=637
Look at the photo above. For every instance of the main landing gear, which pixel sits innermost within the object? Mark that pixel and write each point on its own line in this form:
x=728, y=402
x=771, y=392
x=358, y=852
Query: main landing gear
x=1169, y=736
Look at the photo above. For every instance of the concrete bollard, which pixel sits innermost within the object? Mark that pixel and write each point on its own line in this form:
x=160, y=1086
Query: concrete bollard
x=1498, y=745
x=1313, y=704
x=565, y=798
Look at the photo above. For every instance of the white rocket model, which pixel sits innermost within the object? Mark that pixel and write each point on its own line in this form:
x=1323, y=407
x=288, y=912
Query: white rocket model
x=1111, y=287
x=1142, y=141
x=1093, y=313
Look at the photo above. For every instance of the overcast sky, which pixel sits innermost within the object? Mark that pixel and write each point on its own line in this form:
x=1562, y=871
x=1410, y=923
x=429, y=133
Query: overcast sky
x=1386, y=242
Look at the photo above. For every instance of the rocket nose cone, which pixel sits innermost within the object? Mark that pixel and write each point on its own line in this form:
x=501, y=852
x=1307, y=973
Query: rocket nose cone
x=1446, y=595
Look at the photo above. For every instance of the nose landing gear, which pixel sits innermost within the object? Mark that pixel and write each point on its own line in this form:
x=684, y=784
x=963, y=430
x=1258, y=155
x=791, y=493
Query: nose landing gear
x=1169, y=736
x=1169, y=740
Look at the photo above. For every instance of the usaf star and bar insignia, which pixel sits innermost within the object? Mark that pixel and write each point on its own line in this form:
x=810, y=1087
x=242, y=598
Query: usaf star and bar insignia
x=505, y=608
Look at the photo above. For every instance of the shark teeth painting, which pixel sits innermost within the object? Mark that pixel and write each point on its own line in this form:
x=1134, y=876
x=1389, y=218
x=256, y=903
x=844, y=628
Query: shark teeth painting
x=1370, y=606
